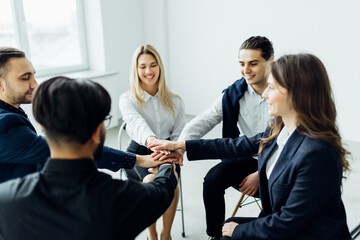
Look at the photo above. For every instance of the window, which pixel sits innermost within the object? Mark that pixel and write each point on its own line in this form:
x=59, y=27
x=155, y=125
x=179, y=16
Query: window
x=51, y=33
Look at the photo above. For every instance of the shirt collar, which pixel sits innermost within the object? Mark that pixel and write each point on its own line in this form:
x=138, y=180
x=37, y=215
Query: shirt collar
x=251, y=90
x=283, y=137
x=148, y=96
x=10, y=108
x=254, y=94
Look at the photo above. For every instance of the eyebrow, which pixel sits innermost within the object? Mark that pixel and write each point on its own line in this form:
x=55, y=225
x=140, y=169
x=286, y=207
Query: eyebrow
x=252, y=61
x=25, y=74
x=150, y=63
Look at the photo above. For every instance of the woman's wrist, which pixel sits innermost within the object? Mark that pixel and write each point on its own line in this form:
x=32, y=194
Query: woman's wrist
x=149, y=139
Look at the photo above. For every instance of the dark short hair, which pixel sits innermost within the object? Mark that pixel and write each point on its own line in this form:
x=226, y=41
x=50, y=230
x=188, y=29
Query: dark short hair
x=260, y=43
x=5, y=54
x=70, y=109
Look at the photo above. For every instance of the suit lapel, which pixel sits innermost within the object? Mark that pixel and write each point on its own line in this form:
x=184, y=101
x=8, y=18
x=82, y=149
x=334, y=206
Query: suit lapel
x=263, y=182
x=285, y=157
x=288, y=151
x=266, y=154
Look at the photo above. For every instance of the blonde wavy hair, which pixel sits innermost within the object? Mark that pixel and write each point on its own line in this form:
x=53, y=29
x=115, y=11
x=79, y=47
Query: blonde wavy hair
x=135, y=82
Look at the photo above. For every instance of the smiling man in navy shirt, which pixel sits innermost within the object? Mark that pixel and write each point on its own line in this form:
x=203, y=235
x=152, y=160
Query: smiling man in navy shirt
x=22, y=150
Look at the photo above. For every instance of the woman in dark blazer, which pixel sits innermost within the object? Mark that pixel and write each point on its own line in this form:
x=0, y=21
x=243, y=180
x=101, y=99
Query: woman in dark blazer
x=301, y=159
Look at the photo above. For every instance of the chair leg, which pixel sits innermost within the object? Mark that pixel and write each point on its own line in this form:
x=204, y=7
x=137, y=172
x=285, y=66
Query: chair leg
x=182, y=208
x=238, y=204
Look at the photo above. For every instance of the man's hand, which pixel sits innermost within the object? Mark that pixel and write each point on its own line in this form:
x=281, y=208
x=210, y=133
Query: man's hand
x=146, y=161
x=250, y=184
x=175, y=156
x=228, y=229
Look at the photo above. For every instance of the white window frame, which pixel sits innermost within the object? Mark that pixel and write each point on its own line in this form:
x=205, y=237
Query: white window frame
x=23, y=42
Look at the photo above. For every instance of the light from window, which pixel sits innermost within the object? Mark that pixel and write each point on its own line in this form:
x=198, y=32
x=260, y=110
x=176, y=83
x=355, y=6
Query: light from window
x=49, y=32
x=7, y=29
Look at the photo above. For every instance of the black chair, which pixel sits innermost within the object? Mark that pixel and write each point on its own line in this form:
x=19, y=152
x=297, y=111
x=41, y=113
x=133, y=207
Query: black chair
x=123, y=142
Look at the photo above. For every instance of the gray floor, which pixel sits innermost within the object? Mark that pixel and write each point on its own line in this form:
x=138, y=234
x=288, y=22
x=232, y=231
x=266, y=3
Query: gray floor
x=193, y=173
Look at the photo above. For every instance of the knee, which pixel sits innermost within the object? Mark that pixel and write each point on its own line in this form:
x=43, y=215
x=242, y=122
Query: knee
x=211, y=179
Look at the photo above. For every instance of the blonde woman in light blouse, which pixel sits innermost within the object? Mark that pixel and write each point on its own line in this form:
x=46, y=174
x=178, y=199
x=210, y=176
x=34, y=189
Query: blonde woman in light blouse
x=151, y=111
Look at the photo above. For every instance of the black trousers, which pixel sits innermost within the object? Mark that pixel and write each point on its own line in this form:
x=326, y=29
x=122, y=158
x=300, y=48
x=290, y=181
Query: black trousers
x=216, y=181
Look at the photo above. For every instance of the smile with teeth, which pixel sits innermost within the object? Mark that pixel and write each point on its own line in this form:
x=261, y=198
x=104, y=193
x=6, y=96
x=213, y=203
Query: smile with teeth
x=150, y=76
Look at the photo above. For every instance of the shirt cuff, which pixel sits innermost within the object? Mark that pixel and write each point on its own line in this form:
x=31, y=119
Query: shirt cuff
x=129, y=160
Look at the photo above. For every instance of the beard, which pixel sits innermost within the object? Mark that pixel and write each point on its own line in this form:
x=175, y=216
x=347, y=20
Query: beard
x=99, y=149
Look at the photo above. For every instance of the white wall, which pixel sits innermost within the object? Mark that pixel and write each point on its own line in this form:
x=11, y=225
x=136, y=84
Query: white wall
x=114, y=30
x=199, y=41
x=205, y=35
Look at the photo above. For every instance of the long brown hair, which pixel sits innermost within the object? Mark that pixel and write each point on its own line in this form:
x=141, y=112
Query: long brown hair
x=307, y=82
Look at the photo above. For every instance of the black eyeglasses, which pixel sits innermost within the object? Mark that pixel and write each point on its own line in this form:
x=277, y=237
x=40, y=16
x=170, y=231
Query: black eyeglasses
x=107, y=120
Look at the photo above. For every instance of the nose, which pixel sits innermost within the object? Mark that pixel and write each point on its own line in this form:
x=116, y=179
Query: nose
x=33, y=83
x=247, y=68
x=147, y=70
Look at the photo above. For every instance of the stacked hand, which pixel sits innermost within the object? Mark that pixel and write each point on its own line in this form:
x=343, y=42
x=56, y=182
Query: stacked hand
x=167, y=150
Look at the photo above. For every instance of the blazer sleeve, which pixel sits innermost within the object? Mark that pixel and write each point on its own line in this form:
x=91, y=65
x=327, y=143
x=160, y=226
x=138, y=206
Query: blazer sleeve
x=19, y=143
x=114, y=159
x=223, y=147
x=310, y=190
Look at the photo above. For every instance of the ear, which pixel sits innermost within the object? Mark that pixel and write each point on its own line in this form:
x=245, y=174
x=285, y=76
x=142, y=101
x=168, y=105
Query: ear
x=95, y=137
x=42, y=128
x=271, y=59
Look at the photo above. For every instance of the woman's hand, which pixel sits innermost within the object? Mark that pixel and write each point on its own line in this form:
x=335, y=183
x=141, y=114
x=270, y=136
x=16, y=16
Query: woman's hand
x=250, y=184
x=153, y=140
x=158, y=145
x=175, y=156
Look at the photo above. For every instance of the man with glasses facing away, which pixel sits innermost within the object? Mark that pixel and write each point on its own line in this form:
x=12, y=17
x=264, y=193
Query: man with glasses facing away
x=69, y=198
x=22, y=151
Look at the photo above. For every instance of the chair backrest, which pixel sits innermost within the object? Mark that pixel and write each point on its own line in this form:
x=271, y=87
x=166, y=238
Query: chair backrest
x=123, y=138
x=355, y=233
x=123, y=142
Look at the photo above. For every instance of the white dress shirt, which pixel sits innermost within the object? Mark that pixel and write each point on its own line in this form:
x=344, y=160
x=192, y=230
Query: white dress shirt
x=253, y=117
x=152, y=119
x=281, y=140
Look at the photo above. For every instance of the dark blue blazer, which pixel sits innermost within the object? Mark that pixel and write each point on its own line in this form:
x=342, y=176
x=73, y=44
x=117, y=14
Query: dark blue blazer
x=23, y=151
x=301, y=199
